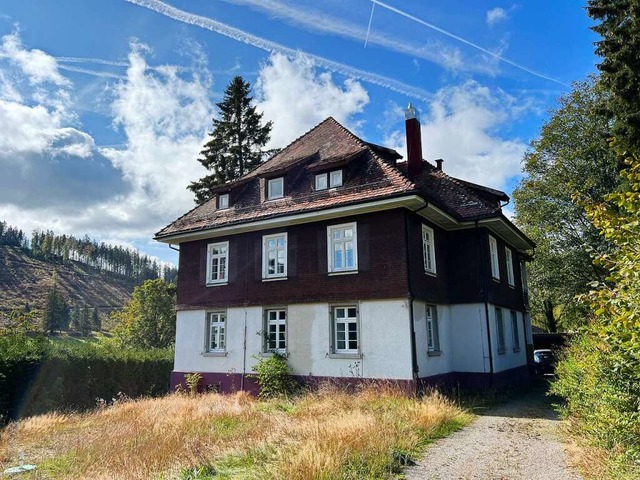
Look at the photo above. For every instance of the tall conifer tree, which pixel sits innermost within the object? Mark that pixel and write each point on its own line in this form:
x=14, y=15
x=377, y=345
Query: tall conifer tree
x=236, y=142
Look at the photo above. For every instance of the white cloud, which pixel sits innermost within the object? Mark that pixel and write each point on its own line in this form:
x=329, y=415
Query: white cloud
x=36, y=64
x=297, y=98
x=461, y=126
x=496, y=15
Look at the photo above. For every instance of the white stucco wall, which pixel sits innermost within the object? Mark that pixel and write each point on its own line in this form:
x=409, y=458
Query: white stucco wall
x=469, y=334
x=384, y=341
x=435, y=364
x=510, y=358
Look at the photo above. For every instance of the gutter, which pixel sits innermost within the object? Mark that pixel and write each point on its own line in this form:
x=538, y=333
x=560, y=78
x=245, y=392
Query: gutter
x=485, y=290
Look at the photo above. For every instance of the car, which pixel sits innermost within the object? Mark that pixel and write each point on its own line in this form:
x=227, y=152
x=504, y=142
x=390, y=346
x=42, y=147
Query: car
x=544, y=361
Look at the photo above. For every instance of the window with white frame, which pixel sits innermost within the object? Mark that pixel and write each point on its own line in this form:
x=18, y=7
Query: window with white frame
x=509, y=259
x=493, y=252
x=275, y=188
x=342, y=247
x=428, y=250
x=217, y=263
x=216, y=328
x=335, y=179
x=514, y=331
x=433, y=334
x=274, y=255
x=502, y=347
x=276, y=330
x=321, y=181
x=345, y=329
x=223, y=201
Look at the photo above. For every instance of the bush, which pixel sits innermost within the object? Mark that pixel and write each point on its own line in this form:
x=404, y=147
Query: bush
x=273, y=375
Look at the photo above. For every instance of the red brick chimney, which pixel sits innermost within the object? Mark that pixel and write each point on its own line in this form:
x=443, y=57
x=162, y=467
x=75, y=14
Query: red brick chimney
x=414, y=141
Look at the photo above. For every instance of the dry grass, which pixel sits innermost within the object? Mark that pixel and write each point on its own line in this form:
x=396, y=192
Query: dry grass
x=323, y=435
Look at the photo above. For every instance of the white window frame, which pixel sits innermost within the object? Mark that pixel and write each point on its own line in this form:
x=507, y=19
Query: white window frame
x=322, y=183
x=216, y=332
x=500, y=336
x=335, y=179
x=514, y=331
x=433, y=330
x=331, y=243
x=428, y=250
x=222, y=258
x=279, y=324
x=265, y=255
x=348, y=321
x=270, y=187
x=223, y=201
x=509, y=259
x=493, y=253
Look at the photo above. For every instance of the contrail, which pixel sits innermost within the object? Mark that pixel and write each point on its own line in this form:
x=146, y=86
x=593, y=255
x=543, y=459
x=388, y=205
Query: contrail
x=373, y=6
x=87, y=71
x=91, y=60
x=466, y=42
x=269, y=46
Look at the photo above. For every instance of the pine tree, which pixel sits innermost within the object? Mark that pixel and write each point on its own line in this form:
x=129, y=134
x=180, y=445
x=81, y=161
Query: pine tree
x=96, y=323
x=85, y=322
x=236, y=141
x=76, y=318
x=56, y=311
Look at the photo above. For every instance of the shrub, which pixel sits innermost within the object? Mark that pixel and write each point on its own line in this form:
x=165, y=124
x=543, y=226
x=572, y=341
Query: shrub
x=273, y=376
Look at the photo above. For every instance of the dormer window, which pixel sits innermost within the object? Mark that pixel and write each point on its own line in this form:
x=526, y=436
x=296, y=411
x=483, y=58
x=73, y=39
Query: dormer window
x=223, y=201
x=335, y=178
x=321, y=181
x=275, y=188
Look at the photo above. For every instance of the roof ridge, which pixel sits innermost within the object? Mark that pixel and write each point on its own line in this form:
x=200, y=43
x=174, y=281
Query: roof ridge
x=460, y=183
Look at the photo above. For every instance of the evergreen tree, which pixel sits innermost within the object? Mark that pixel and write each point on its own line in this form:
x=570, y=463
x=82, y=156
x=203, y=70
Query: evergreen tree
x=76, y=318
x=619, y=28
x=85, y=322
x=56, y=311
x=96, y=323
x=236, y=141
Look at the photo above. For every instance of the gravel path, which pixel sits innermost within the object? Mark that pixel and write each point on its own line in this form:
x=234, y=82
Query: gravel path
x=517, y=440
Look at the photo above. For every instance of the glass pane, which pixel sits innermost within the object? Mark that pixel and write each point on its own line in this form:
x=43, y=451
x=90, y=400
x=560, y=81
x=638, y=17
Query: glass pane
x=223, y=268
x=271, y=243
x=349, y=258
x=283, y=315
x=280, y=242
x=353, y=344
x=337, y=234
x=341, y=344
x=340, y=328
x=337, y=260
x=348, y=232
x=352, y=313
x=352, y=327
x=340, y=312
x=214, y=268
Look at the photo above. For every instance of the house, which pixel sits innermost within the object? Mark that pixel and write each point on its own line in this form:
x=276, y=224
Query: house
x=354, y=266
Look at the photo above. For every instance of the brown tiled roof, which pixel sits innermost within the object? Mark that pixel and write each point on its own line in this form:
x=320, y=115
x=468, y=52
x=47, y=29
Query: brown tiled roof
x=368, y=174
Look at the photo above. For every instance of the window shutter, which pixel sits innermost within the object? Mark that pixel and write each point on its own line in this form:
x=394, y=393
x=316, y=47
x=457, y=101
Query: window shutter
x=292, y=255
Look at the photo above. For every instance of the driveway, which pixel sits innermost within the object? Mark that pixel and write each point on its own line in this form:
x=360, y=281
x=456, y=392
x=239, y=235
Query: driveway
x=516, y=440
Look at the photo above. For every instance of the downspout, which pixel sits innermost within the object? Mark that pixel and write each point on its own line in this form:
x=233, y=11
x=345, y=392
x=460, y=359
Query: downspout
x=485, y=289
x=244, y=352
x=173, y=248
x=414, y=353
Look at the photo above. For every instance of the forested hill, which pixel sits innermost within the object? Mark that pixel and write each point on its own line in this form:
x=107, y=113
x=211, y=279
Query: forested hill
x=25, y=282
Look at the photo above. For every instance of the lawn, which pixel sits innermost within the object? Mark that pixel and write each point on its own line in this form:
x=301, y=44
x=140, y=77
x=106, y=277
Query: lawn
x=328, y=434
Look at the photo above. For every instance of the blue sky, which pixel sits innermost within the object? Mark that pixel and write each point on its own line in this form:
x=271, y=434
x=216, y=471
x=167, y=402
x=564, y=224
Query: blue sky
x=104, y=105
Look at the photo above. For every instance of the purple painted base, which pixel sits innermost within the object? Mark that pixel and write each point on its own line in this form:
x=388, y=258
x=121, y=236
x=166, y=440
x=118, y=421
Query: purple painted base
x=233, y=382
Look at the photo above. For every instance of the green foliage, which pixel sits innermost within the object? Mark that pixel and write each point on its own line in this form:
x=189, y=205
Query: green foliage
x=193, y=381
x=619, y=27
x=273, y=375
x=96, y=323
x=149, y=319
x=56, y=310
x=236, y=141
x=571, y=155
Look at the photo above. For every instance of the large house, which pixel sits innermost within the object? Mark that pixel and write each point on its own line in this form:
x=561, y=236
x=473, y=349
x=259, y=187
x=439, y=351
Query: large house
x=354, y=266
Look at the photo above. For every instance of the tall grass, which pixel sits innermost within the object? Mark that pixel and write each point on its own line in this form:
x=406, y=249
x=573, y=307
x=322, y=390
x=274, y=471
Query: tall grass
x=328, y=434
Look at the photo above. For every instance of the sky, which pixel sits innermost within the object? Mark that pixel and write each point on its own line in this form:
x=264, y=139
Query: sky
x=105, y=105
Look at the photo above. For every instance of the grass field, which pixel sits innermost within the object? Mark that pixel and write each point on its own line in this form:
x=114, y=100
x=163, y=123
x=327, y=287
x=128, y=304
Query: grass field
x=328, y=434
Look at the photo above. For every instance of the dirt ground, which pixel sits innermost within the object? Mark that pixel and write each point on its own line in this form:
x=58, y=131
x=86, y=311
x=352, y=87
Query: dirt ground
x=518, y=439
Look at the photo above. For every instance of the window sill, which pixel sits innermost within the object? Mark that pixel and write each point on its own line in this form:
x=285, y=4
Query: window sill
x=216, y=284
x=274, y=279
x=270, y=354
x=345, y=355
x=497, y=280
x=346, y=272
x=214, y=354
x=512, y=286
x=273, y=199
x=434, y=353
x=502, y=351
x=430, y=273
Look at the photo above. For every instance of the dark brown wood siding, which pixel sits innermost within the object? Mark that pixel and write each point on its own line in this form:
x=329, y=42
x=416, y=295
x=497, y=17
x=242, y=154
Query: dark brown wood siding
x=382, y=269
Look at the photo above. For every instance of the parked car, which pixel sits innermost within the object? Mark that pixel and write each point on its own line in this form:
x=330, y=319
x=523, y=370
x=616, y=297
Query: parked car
x=544, y=361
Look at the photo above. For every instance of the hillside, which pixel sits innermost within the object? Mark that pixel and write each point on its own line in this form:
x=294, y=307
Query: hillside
x=27, y=280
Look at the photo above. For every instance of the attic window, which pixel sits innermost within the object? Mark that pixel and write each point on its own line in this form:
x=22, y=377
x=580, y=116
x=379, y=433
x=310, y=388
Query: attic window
x=329, y=180
x=223, y=201
x=321, y=181
x=275, y=188
x=335, y=178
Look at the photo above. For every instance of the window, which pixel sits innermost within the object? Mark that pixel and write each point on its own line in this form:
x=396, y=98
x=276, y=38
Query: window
x=342, y=248
x=509, y=258
x=217, y=261
x=223, y=201
x=433, y=335
x=502, y=348
x=514, y=331
x=321, y=181
x=275, y=188
x=216, y=337
x=335, y=179
x=345, y=329
x=276, y=330
x=428, y=250
x=274, y=255
x=493, y=251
